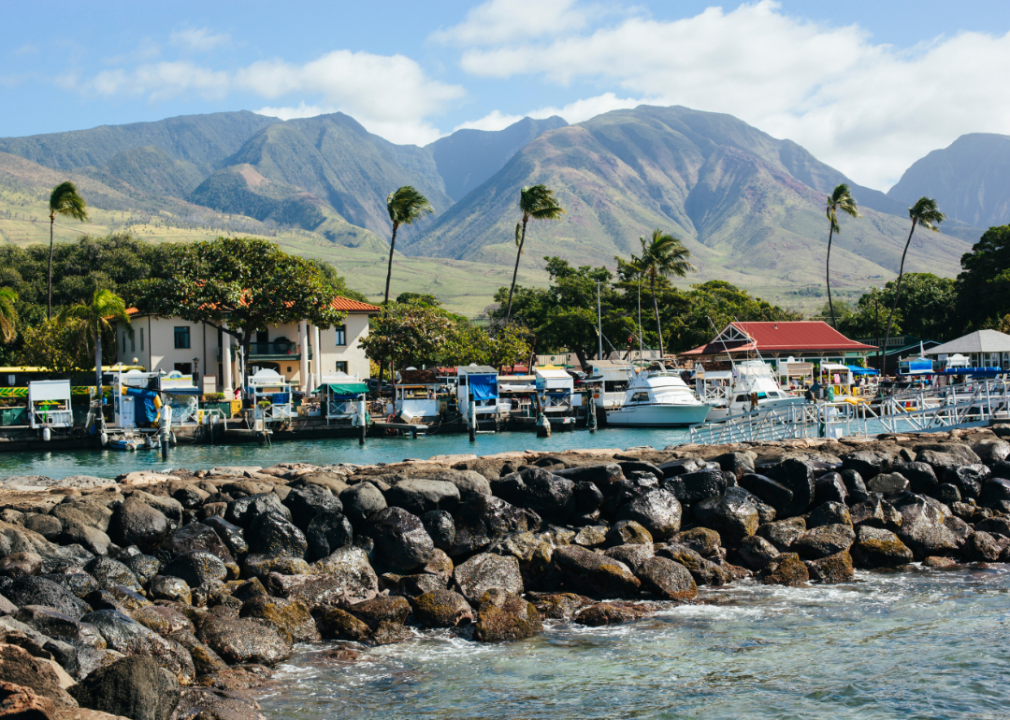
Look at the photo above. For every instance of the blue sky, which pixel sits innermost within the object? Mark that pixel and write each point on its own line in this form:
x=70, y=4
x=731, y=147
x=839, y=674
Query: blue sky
x=868, y=87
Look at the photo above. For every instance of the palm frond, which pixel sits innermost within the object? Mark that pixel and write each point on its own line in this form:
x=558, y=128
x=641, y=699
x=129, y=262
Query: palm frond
x=537, y=202
x=65, y=200
x=406, y=205
x=8, y=314
x=840, y=199
x=926, y=213
x=663, y=254
x=519, y=233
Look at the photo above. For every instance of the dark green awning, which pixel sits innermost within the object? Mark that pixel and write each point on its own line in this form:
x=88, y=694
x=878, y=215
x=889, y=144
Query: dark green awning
x=356, y=388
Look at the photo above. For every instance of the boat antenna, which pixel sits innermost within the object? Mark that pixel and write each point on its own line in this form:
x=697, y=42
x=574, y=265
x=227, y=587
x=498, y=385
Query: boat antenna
x=641, y=354
x=716, y=331
x=756, y=348
x=599, y=323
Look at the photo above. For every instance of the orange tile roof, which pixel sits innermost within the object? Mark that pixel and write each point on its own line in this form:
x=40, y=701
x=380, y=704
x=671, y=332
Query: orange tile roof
x=339, y=303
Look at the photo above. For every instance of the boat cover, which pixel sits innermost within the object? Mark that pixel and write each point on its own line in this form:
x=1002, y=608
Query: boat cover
x=856, y=370
x=344, y=390
x=145, y=412
x=483, y=387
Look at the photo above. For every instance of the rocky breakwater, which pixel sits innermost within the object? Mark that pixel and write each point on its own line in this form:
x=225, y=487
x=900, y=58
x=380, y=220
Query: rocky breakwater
x=171, y=596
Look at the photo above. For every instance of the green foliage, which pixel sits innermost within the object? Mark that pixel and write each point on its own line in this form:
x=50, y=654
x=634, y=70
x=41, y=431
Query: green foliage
x=662, y=255
x=420, y=298
x=66, y=201
x=8, y=315
x=96, y=318
x=868, y=318
x=984, y=284
x=242, y=285
x=52, y=344
x=471, y=344
x=408, y=334
x=536, y=202
x=405, y=206
x=840, y=200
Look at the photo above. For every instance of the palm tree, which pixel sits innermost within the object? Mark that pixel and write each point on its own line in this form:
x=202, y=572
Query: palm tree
x=65, y=201
x=8, y=315
x=928, y=215
x=536, y=203
x=839, y=199
x=664, y=255
x=405, y=206
x=95, y=318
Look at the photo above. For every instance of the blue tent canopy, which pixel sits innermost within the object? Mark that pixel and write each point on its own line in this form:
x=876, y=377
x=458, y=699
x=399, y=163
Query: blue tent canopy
x=483, y=387
x=856, y=370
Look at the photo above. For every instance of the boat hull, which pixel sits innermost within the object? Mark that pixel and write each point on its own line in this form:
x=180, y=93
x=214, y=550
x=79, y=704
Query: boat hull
x=723, y=413
x=658, y=415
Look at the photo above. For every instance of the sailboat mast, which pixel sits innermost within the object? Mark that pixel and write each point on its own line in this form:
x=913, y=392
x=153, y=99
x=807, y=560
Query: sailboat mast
x=641, y=353
x=599, y=323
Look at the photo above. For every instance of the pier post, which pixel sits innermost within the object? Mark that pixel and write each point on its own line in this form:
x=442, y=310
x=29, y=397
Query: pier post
x=362, y=422
x=473, y=422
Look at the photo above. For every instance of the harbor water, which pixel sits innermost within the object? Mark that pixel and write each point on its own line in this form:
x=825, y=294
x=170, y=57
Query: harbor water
x=923, y=644
x=110, y=463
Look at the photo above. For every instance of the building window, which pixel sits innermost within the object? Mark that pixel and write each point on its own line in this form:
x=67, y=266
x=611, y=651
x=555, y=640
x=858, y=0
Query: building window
x=342, y=367
x=184, y=368
x=133, y=343
x=141, y=339
x=182, y=338
x=341, y=332
x=263, y=336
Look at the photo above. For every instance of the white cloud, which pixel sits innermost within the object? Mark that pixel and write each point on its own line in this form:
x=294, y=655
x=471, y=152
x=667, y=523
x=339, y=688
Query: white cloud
x=581, y=110
x=502, y=21
x=494, y=120
x=159, y=81
x=868, y=109
x=293, y=113
x=199, y=39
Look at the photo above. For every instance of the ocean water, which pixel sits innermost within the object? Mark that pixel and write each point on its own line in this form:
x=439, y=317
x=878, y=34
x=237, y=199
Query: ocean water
x=109, y=463
x=923, y=644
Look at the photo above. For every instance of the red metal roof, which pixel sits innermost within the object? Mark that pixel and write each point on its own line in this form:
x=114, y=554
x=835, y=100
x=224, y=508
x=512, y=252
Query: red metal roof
x=800, y=336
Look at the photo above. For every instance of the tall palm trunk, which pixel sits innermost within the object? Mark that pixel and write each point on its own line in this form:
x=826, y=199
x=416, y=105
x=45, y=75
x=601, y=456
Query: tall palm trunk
x=515, y=273
x=827, y=276
x=98, y=363
x=655, y=309
x=897, y=293
x=385, y=305
x=52, y=221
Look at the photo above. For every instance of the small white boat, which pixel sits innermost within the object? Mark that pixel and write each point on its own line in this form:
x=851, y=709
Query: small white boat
x=657, y=398
x=753, y=381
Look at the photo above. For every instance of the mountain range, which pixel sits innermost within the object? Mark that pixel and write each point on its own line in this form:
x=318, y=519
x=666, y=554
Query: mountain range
x=750, y=207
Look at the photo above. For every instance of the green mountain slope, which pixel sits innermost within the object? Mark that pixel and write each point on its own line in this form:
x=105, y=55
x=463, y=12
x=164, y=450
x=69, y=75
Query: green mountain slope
x=744, y=203
x=149, y=170
x=467, y=158
x=336, y=160
x=970, y=180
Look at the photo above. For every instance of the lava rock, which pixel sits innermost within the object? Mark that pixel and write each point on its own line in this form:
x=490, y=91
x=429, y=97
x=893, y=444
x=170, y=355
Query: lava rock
x=698, y=485
x=308, y=501
x=381, y=609
x=401, y=542
x=230, y=534
x=510, y=619
x=195, y=536
x=40, y=591
x=854, y=485
x=830, y=513
x=442, y=609
x=704, y=572
x=767, y=490
x=326, y=532
x=245, y=510
x=923, y=528
x=887, y=483
x=440, y=528
x=485, y=572
x=798, y=476
x=876, y=513
x=868, y=463
x=876, y=548
x=61, y=627
x=109, y=573
x=734, y=516
x=41, y=675
x=134, y=687
x=349, y=569
x=290, y=615
x=418, y=496
x=835, y=568
x=336, y=624
x=830, y=488
x=757, y=553
x=170, y=588
x=244, y=640
x=787, y=570
x=361, y=501
x=983, y=547
x=820, y=542
x=921, y=478
x=274, y=535
x=536, y=489
x=587, y=497
x=657, y=511
x=595, y=575
x=127, y=636
x=135, y=522
x=968, y=479
x=680, y=467
x=609, y=613
x=197, y=568
x=627, y=532
x=704, y=541
x=632, y=555
x=667, y=579
x=482, y=519
x=737, y=463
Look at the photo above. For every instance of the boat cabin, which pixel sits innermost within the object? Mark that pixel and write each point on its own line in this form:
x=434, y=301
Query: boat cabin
x=270, y=393
x=556, y=389
x=615, y=376
x=342, y=395
x=515, y=395
x=181, y=394
x=480, y=384
x=136, y=402
x=49, y=404
x=417, y=396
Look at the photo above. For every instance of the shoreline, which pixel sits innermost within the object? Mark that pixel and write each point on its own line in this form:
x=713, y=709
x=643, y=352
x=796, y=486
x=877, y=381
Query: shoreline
x=204, y=580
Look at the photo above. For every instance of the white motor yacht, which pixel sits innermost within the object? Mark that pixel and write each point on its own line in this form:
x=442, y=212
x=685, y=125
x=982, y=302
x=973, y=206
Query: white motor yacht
x=753, y=377
x=657, y=398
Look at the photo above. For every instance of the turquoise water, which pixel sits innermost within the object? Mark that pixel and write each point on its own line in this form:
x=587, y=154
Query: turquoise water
x=109, y=463
x=926, y=644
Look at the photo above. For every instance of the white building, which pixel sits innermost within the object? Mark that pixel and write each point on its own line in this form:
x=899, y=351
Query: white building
x=301, y=352
x=984, y=348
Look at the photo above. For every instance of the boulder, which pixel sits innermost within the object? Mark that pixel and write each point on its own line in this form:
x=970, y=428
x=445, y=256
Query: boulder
x=291, y=616
x=704, y=572
x=534, y=554
x=923, y=529
x=983, y=547
x=823, y=541
x=830, y=513
x=877, y=548
x=442, y=609
x=20, y=564
x=757, y=553
x=787, y=570
x=245, y=640
x=134, y=687
x=854, y=485
x=603, y=614
x=558, y=606
x=994, y=490
x=887, y=483
x=666, y=579
x=22, y=703
x=734, y=516
x=196, y=536
x=48, y=526
x=401, y=542
x=271, y=534
x=767, y=490
x=632, y=555
x=381, y=609
x=361, y=501
x=308, y=501
x=867, y=463
x=418, y=496
x=704, y=541
x=510, y=618
x=830, y=488
x=44, y=677
x=197, y=568
x=40, y=591
x=78, y=583
x=162, y=620
x=674, y=468
x=482, y=519
x=627, y=532
x=992, y=451
x=135, y=522
x=587, y=497
x=336, y=624
x=230, y=534
x=920, y=476
x=243, y=511
x=170, y=588
x=326, y=532
x=537, y=489
x=658, y=511
x=737, y=463
x=144, y=567
x=594, y=575
x=798, y=476
x=968, y=478
x=61, y=627
x=109, y=573
x=835, y=568
x=485, y=572
x=127, y=636
x=876, y=513
x=698, y=485
x=259, y=566
x=947, y=493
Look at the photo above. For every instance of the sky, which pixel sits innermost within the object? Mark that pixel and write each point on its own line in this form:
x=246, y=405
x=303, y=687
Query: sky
x=866, y=86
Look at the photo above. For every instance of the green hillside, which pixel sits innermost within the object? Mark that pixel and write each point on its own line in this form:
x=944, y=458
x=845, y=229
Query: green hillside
x=467, y=158
x=727, y=189
x=149, y=170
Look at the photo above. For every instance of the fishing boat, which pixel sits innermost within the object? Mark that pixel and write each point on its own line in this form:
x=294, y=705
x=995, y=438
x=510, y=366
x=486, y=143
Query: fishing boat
x=753, y=388
x=658, y=398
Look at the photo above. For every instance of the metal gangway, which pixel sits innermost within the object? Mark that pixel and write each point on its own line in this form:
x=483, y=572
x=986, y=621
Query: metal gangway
x=970, y=404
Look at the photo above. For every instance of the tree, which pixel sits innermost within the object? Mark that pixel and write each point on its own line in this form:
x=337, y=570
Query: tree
x=95, y=319
x=53, y=345
x=662, y=255
x=240, y=286
x=926, y=214
x=537, y=203
x=839, y=199
x=8, y=315
x=65, y=201
x=405, y=206
x=983, y=287
x=407, y=332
